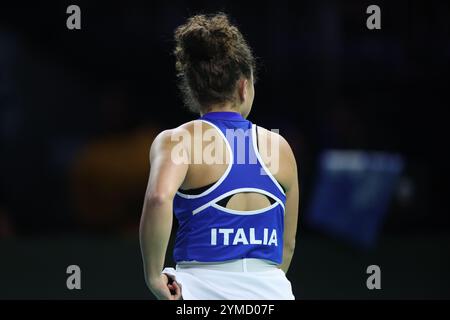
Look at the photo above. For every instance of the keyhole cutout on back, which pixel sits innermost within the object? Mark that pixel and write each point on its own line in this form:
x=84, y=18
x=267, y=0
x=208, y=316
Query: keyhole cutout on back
x=246, y=201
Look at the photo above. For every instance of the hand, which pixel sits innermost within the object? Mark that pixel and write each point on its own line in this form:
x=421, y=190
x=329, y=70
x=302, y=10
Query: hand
x=163, y=290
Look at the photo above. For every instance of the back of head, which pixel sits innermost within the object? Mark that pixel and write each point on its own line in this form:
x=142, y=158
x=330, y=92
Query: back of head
x=211, y=56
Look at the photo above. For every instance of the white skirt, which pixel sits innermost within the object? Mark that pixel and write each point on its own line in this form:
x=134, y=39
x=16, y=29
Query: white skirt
x=201, y=283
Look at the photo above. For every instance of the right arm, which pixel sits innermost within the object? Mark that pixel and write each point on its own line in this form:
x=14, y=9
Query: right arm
x=166, y=176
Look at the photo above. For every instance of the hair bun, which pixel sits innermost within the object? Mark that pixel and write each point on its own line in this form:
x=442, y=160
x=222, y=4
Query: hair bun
x=205, y=38
x=201, y=44
x=211, y=55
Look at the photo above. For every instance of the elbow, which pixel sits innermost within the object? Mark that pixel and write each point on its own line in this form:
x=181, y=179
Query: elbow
x=290, y=246
x=157, y=199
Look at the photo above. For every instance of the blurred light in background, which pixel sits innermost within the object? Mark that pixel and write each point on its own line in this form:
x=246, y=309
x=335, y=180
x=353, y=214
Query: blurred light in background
x=352, y=194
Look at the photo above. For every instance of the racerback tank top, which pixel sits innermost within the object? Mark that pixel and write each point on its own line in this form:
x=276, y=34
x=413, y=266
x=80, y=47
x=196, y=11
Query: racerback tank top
x=209, y=232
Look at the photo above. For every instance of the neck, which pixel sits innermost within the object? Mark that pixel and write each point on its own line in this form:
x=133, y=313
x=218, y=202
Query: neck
x=225, y=107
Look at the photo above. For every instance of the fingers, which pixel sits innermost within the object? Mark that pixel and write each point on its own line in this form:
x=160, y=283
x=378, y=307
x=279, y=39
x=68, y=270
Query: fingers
x=174, y=289
x=177, y=289
x=165, y=278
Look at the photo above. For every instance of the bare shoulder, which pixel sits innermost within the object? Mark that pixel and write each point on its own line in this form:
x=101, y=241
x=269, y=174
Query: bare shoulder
x=162, y=139
x=274, y=141
x=169, y=135
x=166, y=138
x=169, y=138
x=278, y=157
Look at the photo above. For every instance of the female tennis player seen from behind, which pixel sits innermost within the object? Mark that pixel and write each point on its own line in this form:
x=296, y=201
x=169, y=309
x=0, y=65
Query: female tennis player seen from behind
x=232, y=185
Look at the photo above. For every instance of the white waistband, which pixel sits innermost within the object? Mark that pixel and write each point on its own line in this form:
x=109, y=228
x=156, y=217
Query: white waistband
x=240, y=265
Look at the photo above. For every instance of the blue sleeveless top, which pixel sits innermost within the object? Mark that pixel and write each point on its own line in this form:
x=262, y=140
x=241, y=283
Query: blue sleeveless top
x=209, y=232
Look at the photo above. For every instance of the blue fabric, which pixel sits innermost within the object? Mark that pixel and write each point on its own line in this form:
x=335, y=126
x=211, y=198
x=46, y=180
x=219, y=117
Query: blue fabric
x=203, y=236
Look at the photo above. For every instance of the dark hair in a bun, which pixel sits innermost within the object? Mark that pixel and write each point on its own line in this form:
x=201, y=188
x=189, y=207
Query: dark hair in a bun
x=211, y=55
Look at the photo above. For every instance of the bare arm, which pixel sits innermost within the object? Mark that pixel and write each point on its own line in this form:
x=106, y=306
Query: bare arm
x=166, y=176
x=290, y=223
x=292, y=204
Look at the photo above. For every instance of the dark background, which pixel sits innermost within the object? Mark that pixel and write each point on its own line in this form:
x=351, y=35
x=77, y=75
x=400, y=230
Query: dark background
x=80, y=108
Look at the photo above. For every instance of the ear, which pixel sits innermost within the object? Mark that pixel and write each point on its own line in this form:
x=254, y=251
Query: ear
x=242, y=89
